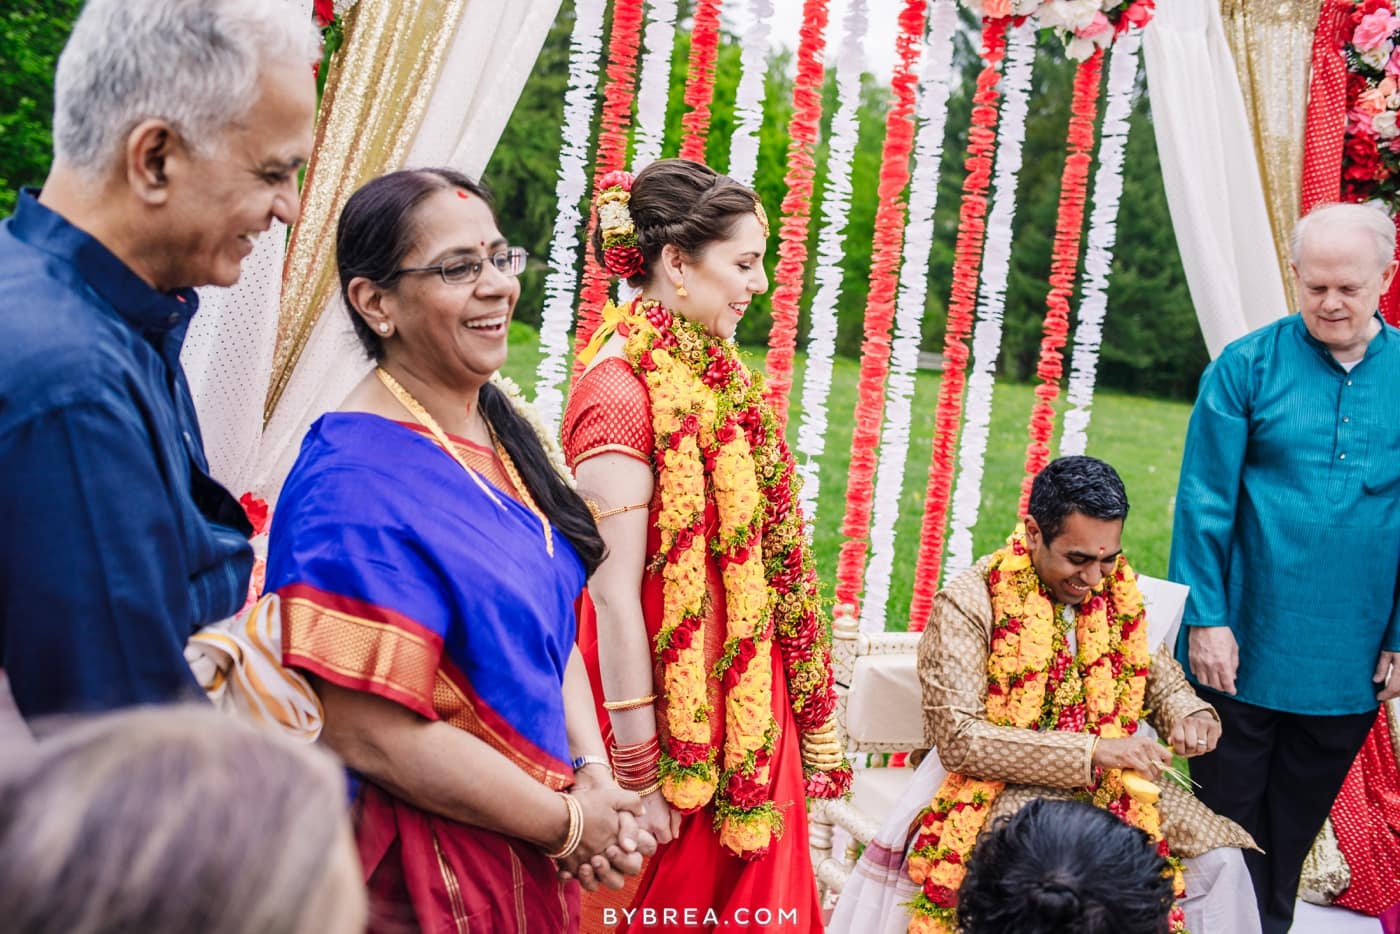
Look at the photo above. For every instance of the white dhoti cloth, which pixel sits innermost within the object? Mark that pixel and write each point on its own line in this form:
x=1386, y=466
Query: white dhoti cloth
x=1219, y=897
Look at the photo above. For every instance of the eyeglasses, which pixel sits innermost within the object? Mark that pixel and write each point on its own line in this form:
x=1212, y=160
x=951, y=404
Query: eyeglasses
x=465, y=269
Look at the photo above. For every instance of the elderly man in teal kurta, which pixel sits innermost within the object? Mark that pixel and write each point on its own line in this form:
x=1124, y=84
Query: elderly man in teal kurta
x=1288, y=533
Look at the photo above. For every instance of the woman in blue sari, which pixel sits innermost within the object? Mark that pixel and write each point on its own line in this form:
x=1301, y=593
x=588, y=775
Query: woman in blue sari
x=428, y=557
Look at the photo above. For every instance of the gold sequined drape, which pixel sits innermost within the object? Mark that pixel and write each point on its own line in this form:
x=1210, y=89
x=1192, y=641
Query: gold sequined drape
x=376, y=92
x=1271, y=41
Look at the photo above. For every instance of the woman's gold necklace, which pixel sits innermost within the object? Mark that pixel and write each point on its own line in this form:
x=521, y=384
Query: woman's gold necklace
x=415, y=408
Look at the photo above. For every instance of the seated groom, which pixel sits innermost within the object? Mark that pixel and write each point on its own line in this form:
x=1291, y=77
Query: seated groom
x=1036, y=675
x=179, y=127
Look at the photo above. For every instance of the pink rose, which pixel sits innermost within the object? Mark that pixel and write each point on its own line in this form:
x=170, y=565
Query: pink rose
x=1372, y=102
x=1096, y=27
x=616, y=179
x=1374, y=29
x=1392, y=64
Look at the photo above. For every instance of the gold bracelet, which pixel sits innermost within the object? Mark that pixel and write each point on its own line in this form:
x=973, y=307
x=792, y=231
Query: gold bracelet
x=575, y=835
x=632, y=704
x=645, y=790
x=600, y=514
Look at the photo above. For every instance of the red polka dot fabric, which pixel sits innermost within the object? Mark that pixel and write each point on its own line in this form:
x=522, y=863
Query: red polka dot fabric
x=1366, y=817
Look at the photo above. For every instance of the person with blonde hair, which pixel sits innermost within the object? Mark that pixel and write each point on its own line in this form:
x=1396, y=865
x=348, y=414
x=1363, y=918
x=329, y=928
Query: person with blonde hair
x=175, y=819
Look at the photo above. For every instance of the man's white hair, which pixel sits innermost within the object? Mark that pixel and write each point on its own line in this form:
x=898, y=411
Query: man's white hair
x=1333, y=216
x=194, y=63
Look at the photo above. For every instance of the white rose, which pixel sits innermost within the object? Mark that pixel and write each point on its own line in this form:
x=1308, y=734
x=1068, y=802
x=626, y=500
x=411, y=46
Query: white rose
x=1070, y=15
x=612, y=214
x=1077, y=49
x=1384, y=125
x=1378, y=56
x=1025, y=7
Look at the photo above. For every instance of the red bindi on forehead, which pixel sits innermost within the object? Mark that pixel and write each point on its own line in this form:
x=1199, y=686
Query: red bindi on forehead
x=463, y=194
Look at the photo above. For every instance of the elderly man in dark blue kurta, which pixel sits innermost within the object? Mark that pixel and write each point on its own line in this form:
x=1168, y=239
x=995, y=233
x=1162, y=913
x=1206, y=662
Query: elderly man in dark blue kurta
x=178, y=131
x=1288, y=532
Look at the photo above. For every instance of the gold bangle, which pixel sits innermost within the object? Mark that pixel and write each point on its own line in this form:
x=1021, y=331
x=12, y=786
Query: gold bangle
x=575, y=834
x=643, y=791
x=600, y=514
x=632, y=704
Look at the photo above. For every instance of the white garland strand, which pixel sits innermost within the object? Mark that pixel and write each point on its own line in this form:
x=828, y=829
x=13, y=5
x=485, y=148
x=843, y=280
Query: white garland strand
x=580, y=102
x=654, y=83
x=909, y=309
x=1103, y=233
x=831, y=249
x=748, y=98
x=991, y=300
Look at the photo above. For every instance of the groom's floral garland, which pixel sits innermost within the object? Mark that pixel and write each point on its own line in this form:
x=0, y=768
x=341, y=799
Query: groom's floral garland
x=1035, y=682
x=717, y=440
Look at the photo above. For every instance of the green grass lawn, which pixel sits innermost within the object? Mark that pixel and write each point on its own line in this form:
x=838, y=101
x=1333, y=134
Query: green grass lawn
x=1142, y=438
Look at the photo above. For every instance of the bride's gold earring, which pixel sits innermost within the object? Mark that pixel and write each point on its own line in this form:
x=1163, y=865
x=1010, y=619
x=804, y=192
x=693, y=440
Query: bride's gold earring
x=681, y=291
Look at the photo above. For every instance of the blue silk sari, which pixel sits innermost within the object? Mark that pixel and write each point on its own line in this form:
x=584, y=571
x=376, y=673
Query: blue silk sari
x=403, y=576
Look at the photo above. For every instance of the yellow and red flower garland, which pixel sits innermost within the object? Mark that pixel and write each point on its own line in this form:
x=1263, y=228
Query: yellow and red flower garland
x=1035, y=682
x=717, y=440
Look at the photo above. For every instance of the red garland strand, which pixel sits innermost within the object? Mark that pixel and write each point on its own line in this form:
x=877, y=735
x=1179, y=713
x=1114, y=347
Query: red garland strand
x=879, y=306
x=1064, y=264
x=612, y=156
x=797, y=205
x=967, y=269
x=700, y=79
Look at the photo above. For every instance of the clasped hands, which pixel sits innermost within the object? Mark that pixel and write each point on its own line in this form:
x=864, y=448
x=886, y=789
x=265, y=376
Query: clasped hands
x=613, y=843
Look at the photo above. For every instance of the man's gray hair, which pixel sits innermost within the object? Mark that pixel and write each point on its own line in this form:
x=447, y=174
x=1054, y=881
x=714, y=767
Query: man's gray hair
x=1368, y=217
x=194, y=63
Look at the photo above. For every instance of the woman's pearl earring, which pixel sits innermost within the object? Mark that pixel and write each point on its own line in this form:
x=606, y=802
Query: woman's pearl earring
x=384, y=328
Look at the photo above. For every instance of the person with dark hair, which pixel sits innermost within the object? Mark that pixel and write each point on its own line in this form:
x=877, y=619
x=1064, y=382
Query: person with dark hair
x=702, y=627
x=1064, y=867
x=428, y=555
x=1037, y=679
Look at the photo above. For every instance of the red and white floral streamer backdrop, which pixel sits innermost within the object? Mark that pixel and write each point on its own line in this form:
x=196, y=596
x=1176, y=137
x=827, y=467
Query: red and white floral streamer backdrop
x=1064, y=265
x=580, y=102
x=831, y=249
x=967, y=264
x=700, y=80
x=797, y=204
x=935, y=86
x=879, y=307
x=612, y=151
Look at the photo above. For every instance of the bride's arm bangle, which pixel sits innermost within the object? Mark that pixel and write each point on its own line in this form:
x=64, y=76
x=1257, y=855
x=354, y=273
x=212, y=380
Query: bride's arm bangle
x=632, y=704
x=600, y=514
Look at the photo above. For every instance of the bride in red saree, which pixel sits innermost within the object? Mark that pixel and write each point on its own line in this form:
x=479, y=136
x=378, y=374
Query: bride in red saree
x=702, y=629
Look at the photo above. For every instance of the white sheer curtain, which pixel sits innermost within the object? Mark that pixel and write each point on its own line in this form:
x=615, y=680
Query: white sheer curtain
x=228, y=354
x=1212, y=179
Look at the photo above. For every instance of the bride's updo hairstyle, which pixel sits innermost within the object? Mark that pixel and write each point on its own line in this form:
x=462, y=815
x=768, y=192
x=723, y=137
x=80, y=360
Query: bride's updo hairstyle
x=683, y=203
x=1064, y=867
